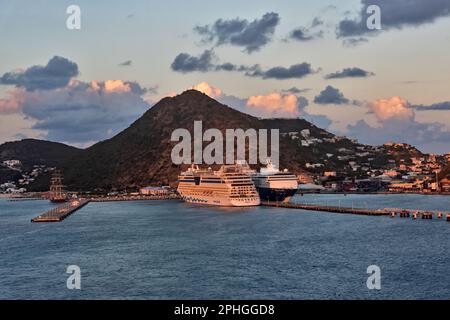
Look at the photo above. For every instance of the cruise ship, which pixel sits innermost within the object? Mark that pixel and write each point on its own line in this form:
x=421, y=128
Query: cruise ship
x=229, y=186
x=271, y=183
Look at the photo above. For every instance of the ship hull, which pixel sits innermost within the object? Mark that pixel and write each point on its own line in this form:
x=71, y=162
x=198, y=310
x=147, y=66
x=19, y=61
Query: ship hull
x=275, y=194
x=224, y=202
x=58, y=200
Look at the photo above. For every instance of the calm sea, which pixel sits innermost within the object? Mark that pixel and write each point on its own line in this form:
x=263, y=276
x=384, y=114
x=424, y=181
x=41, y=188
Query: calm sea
x=173, y=250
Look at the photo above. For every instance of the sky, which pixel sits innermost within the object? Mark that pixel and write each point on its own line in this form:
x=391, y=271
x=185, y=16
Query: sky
x=316, y=60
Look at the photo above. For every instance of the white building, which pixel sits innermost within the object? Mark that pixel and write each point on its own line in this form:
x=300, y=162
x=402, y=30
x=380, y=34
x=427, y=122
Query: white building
x=154, y=191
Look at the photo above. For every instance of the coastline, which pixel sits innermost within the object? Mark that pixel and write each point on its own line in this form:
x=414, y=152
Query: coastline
x=96, y=198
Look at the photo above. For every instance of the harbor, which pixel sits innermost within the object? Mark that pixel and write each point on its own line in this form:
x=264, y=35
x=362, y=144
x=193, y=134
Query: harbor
x=172, y=237
x=61, y=212
x=274, y=190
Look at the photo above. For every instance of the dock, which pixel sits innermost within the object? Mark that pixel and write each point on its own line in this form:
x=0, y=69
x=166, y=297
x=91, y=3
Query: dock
x=393, y=212
x=25, y=199
x=60, y=213
x=343, y=210
x=134, y=198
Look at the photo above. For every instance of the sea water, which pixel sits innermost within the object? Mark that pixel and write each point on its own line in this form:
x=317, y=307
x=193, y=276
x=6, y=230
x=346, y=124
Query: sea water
x=174, y=250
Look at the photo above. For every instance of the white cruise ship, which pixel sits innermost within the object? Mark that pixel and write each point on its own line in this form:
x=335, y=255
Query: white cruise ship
x=229, y=186
x=271, y=183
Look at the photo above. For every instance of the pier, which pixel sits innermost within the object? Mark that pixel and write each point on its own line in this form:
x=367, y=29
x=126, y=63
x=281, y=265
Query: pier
x=343, y=210
x=393, y=212
x=58, y=214
x=135, y=198
x=24, y=199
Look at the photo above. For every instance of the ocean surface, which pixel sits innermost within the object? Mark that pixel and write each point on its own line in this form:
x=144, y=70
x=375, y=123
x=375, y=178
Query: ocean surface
x=173, y=250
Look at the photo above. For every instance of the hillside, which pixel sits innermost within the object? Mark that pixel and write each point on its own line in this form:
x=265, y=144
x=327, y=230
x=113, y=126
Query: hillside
x=37, y=152
x=445, y=172
x=140, y=155
x=7, y=174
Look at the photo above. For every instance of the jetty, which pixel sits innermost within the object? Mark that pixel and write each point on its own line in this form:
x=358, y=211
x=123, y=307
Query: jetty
x=24, y=199
x=61, y=212
x=135, y=198
x=393, y=212
x=335, y=209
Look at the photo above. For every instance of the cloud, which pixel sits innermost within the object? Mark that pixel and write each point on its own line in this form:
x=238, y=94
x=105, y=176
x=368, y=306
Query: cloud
x=56, y=74
x=441, y=106
x=331, y=95
x=300, y=34
x=12, y=103
x=296, y=71
x=307, y=33
x=350, y=73
x=394, y=108
x=428, y=137
x=127, y=63
x=211, y=91
x=353, y=42
x=185, y=62
x=241, y=32
x=83, y=112
x=79, y=112
x=395, y=15
x=319, y=120
x=276, y=105
x=396, y=122
x=295, y=90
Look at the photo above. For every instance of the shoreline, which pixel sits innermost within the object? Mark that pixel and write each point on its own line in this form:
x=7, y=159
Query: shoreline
x=375, y=193
x=39, y=196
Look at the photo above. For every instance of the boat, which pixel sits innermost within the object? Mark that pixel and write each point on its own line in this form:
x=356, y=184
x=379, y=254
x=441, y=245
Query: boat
x=271, y=183
x=229, y=186
x=57, y=194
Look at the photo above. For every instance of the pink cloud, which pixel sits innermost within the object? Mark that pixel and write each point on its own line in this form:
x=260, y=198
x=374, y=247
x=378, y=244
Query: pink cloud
x=13, y=102
x=394, y=108
x=274, y=104
x=207, y=89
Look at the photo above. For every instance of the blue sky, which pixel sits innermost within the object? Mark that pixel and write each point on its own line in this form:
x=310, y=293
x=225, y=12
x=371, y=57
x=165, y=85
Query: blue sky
x=406, y=64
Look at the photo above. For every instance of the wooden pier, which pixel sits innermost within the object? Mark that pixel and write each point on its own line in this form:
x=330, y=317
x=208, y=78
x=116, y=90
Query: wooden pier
x=60, y=213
